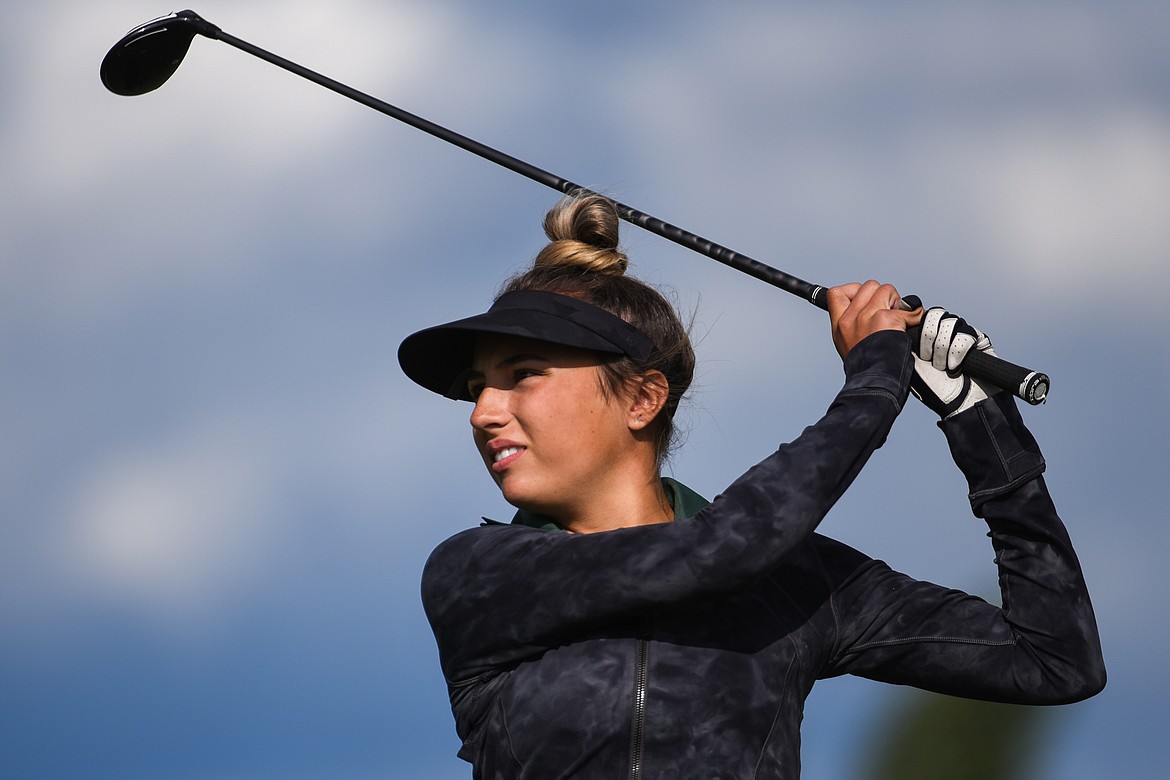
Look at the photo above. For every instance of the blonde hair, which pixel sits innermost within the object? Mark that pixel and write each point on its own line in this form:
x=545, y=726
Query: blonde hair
x=583, y=231
x=583, y=260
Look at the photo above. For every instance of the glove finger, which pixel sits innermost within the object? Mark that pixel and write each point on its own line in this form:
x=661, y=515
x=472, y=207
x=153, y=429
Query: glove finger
x=960, y=345
x=942, y=342
x=959, y=339
x=929, y=327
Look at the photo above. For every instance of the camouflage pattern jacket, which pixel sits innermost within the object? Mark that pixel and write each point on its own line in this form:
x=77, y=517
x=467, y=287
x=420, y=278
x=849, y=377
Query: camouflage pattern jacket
x=686, y=650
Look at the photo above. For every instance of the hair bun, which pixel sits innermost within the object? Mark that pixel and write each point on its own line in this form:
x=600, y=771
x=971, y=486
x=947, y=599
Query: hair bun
x=583, y=231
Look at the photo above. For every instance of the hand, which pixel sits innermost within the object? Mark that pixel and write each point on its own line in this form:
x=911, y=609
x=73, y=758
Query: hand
x=946, y=339
x=859, y=310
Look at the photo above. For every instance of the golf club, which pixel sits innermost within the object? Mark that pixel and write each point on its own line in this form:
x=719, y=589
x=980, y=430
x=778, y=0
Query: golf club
x=148, y=55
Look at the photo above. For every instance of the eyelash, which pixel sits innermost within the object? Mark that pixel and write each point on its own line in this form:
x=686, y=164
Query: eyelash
x=474, y=390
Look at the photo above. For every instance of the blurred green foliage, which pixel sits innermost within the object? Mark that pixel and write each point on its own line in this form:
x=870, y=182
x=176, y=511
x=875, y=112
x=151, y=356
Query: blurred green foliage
x=933, y=737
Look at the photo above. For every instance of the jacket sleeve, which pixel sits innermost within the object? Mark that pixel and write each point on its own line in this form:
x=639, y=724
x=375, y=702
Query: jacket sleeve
x=499, y=594
x=1040, y=647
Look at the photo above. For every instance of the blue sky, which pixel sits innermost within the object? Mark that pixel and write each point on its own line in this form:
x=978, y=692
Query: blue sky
x=217, y=491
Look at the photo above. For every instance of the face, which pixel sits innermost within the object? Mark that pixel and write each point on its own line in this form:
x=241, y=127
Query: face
x=548, y=434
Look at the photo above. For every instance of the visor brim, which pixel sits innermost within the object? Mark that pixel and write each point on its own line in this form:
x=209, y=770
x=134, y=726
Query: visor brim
x=439, y=357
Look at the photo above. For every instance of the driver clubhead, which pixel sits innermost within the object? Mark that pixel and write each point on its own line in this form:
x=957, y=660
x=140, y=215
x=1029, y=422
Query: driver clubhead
x=148, y=55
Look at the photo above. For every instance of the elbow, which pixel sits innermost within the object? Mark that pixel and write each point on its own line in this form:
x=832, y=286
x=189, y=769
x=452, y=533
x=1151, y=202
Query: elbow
x=1083, y=682
x=1094, y=682
x=1072, y=668
x=1067, y=679
x=1092, y=672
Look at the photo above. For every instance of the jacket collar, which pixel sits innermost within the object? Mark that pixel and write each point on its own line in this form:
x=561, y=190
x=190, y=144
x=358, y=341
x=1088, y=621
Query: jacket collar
x=684, y=501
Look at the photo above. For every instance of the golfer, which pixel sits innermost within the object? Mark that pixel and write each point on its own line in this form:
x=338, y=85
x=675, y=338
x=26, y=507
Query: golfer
x=622, y=626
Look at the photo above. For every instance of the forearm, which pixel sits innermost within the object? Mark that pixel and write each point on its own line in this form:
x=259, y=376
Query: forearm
x=1044, y=595
x=778, y=504
x=1041, y=646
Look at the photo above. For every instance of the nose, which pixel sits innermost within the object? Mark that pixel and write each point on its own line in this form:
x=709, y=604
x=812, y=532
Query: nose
x=491, y=409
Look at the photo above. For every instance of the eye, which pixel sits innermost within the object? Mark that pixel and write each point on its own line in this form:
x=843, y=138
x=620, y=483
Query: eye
x=474, y=388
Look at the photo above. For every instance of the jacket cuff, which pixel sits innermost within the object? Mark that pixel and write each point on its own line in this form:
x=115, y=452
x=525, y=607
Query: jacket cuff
x=994, y=450
x=880, y=363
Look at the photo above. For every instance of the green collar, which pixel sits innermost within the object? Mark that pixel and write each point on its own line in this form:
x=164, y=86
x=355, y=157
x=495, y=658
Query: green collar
x=683, y=500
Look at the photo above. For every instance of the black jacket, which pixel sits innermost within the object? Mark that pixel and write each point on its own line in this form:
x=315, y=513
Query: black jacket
x=687, y=649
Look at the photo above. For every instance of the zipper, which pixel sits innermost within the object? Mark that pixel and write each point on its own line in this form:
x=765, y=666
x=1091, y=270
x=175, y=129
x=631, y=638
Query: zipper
x=638, y=725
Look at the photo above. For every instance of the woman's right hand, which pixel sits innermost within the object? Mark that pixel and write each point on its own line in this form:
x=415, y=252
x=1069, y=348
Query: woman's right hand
x=858, y=310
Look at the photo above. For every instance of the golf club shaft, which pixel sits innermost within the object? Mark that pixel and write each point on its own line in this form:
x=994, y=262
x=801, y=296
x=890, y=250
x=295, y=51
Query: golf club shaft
x=813, y=293
x=1031, y=386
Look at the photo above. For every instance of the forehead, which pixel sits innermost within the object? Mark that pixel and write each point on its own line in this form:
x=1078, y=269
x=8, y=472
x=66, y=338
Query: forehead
x=493, y=349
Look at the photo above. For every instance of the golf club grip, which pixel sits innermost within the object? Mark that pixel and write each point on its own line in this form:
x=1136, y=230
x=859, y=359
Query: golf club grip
x=1024, y=383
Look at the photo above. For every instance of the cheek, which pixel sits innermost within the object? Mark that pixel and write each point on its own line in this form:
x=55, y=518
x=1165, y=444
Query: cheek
x=589, y=411
x=601, y=421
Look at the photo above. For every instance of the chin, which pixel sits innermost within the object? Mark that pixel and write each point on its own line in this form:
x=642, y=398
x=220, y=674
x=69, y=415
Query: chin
x=527, y=501
x=515, y=495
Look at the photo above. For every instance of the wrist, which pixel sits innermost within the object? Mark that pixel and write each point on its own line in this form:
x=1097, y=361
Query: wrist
x=880, y=361
x=993, y=448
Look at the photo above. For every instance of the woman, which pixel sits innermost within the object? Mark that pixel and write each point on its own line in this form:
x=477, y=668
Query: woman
x=623, y=626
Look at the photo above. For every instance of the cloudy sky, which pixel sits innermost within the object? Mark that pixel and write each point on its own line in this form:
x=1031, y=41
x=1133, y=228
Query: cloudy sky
x=217, y=491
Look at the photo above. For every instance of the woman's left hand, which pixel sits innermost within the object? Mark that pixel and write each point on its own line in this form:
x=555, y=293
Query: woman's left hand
x=859, y=310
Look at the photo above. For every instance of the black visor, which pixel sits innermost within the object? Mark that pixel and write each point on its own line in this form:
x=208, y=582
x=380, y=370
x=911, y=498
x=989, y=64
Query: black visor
x=438, y=358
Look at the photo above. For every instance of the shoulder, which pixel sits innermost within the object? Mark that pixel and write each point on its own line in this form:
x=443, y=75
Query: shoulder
x=472, y=550
x=473, y=541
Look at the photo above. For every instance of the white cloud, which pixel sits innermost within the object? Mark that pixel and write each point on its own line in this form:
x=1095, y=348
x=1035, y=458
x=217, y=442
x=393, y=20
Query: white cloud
x=1083, y=204
x=111, y=136
x=173, y=528
x=949, y=134
x=187, y=187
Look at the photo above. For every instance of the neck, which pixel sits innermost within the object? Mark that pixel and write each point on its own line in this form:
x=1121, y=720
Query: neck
x=641, y=501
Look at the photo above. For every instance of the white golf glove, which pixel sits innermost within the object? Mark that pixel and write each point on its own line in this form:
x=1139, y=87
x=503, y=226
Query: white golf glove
x=945, y=340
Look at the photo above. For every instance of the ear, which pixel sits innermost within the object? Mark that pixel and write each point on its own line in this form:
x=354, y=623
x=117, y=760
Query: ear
x=648, y=398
